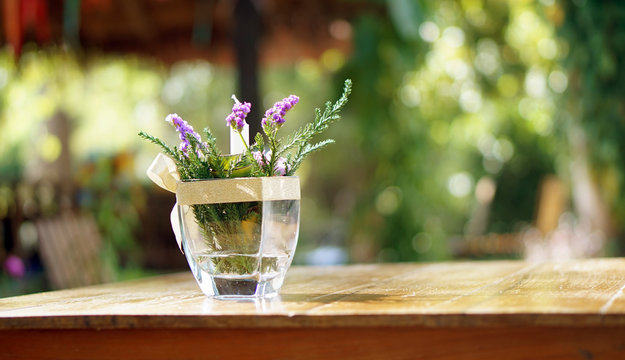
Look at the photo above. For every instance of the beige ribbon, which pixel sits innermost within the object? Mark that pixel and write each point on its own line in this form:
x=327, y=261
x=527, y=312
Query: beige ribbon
x=163, y=173
x=217, y=191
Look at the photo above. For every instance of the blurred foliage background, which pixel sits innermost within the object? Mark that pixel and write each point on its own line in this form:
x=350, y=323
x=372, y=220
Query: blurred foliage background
x=476, y=129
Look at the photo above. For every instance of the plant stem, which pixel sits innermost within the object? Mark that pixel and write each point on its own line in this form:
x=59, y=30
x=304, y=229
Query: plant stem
x=244, y=142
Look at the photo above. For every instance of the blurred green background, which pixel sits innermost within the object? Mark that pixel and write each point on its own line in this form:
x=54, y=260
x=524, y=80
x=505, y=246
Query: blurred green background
x=477, y=129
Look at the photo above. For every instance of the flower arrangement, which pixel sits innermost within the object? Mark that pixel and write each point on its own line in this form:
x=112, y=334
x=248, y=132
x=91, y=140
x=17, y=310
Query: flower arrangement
x=198, y=159
x=232, y=231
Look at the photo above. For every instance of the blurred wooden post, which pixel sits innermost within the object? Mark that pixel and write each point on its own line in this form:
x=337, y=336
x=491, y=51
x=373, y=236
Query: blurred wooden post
x=247, y=33
x=551, y=204
x=53, y=163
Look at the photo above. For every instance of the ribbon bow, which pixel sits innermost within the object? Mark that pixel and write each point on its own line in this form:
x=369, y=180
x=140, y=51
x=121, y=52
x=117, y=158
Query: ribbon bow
x=163, y=173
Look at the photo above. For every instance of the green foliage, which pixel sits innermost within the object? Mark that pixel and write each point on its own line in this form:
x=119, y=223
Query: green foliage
x=594, y=102
x=443, y=102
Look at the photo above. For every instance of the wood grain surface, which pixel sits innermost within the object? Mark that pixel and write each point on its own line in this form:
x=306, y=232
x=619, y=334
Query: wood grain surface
x=456, y=310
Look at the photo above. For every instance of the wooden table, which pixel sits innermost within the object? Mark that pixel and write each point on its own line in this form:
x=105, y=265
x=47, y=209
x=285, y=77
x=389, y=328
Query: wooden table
x=458, y=310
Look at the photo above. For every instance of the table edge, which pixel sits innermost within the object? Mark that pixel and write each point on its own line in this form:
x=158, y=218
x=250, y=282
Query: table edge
x=101, y=322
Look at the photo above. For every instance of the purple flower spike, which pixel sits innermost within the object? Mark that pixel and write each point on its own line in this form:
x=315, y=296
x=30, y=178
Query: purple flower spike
x=183, y=129
x=275, y=115
x=240, y=110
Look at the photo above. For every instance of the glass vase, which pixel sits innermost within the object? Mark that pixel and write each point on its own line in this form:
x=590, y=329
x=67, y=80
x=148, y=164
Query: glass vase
x=240, y=249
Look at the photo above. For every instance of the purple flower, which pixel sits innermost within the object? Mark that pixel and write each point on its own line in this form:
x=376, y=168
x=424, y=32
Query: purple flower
x=258, y=157
x=238, y=115
x=275, y=115
x=14, y=266
x=183, y=129
x=279, y=168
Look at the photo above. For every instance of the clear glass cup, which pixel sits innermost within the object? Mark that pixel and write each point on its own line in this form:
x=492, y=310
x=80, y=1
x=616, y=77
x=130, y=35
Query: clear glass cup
x=240, y=250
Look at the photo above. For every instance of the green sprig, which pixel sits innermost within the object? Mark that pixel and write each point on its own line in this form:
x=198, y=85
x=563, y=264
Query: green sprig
x=301, y=138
